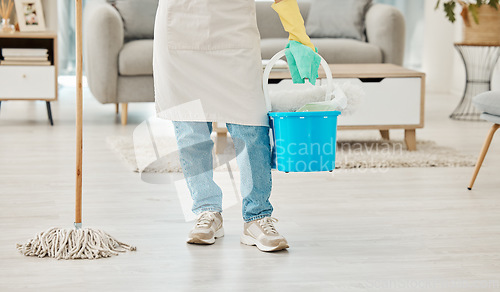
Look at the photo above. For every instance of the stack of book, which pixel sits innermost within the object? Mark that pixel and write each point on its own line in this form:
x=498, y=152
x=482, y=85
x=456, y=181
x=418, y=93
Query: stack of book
x=25, y=57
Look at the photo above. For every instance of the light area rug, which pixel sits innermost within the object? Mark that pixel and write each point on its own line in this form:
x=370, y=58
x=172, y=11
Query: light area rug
x=162, y=157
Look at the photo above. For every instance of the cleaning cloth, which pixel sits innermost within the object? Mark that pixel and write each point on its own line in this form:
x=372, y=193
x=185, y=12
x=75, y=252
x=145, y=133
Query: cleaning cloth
x=301, y=53
x=302, y=62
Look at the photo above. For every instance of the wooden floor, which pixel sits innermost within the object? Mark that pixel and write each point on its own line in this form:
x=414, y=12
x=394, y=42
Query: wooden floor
x=415, y=229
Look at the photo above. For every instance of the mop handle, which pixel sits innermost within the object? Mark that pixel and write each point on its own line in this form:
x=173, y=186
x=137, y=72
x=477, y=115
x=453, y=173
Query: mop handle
x=272, y=62
x=79, y=114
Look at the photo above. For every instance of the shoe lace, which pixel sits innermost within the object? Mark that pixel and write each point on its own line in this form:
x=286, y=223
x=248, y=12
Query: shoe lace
x=205, y=219
x=267, y=224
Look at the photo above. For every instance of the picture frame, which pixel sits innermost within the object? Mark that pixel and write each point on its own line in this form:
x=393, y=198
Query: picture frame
x=30, y=15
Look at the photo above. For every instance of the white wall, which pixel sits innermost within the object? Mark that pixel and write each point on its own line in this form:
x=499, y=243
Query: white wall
x=442, y=63
x=438, y=60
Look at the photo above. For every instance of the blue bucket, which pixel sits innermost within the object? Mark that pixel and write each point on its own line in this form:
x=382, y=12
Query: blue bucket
x=304, y=141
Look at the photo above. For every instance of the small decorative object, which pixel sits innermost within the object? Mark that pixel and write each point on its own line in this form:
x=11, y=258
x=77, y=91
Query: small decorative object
x=481, y=19
x=30, y=15
x=6, y=27
x=5, y=12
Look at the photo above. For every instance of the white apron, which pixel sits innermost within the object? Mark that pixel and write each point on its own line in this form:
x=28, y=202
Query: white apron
x=207, y=62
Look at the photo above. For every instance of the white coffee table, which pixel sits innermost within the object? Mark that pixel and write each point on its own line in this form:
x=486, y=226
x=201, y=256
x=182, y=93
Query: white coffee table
x=395, y=99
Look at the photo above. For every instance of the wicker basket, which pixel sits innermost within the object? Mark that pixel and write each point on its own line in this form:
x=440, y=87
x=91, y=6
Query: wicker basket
x=487, y=32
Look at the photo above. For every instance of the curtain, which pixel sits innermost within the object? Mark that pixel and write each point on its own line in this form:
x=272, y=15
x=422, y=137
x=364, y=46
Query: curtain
x=66, y=36
x=413, y=12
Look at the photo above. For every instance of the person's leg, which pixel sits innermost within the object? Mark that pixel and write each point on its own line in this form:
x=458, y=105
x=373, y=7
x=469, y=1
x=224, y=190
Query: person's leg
x=195, y=151
x=253, y=151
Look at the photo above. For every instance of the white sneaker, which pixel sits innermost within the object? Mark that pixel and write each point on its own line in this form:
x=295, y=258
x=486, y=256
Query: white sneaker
x=208, y=227
x=263, y=234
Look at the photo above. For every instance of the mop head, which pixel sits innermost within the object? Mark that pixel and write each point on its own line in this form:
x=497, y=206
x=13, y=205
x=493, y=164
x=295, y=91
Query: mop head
x=84, y=243
x=346, y=97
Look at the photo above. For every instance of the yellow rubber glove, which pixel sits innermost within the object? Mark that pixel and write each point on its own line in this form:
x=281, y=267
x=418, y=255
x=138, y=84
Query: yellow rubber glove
x=293, y=23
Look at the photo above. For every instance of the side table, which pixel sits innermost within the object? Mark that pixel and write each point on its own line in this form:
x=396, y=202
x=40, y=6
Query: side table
x=28, y=82
x=479, y=61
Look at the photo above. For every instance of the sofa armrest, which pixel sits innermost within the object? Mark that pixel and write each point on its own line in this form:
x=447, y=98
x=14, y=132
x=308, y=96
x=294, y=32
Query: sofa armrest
x=104, y=39
x=385, y=28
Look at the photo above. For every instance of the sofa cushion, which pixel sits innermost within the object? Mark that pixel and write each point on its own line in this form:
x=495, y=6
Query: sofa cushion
x=337, y=18
x=138, y=17
x=335, y=51
x=488, y=102
x=136, y=58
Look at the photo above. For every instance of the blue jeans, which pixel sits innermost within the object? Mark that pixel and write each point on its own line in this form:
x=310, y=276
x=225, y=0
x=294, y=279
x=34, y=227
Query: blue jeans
x=253, y=151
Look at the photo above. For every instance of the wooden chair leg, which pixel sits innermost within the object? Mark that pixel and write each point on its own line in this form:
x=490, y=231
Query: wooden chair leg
x=482, y=155
x=385, y=134
x=124, y=115
x=117, y=108
x=411, y=139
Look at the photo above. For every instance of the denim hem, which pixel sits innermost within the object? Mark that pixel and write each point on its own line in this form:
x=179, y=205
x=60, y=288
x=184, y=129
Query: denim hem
x=257, y=217
x=198, y=212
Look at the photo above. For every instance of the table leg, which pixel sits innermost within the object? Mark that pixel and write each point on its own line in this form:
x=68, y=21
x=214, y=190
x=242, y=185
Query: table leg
x=385, y=134
x=49, y=113
x=411, y=139
x=220, y=139
x=124, y=116
x=220, y=143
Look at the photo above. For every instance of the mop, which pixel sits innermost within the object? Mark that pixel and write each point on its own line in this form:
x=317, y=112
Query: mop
x=77, y=243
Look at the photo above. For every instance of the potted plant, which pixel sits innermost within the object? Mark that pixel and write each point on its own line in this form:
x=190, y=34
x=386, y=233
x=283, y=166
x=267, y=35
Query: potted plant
x=481, y=19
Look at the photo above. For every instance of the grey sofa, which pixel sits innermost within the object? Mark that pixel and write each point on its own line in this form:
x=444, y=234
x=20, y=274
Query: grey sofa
x=120, y=70
x=385, y=35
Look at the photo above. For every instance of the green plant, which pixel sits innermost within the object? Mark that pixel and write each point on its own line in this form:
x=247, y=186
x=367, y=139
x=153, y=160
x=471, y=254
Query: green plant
x=467, y=6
